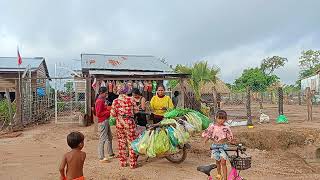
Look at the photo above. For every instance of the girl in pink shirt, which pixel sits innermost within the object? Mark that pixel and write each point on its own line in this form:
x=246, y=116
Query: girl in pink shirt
x=220, y=135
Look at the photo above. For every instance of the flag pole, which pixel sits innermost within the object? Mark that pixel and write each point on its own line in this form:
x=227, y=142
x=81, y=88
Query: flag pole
x=19, y=82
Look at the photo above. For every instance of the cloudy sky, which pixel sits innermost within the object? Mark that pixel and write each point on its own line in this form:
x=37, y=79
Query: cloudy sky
x=233, y=35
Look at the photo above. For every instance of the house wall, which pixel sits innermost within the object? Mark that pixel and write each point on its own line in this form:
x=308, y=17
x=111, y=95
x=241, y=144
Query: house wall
x=313, y=82
x=6, y=82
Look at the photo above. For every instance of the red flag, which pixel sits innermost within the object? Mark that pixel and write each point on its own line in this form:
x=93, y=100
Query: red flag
x=94, y=84
x=19, y=57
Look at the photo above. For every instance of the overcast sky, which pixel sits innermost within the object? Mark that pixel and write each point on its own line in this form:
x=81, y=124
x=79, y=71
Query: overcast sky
x=233, y=35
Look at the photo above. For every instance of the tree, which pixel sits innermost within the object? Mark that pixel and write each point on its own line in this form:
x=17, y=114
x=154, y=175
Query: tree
x=69, y=87
x=309, y=63
x=256, y=79
x=268, y=65
x=200, y=73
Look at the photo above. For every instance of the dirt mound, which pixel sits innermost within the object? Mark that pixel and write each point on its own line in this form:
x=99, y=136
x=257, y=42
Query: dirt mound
x=271, y=139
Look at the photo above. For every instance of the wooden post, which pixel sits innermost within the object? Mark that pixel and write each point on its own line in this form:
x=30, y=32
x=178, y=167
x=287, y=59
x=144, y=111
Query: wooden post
x=88, y=99
x=309, y=103
x=299, y=98
x=248, y=106
x=261, y=100
x=215, y=102
x=9, y=107
x=18, y=117
x=183, y=88
x=280, y=100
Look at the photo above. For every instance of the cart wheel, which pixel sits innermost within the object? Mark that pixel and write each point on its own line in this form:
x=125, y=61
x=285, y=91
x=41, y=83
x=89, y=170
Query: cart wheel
x=179, y=157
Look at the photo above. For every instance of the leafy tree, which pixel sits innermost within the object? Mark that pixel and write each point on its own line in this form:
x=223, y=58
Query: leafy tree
x=309, y=63
x=256, y=79
x=290, y=89
x=69, y=87
x=268, y=65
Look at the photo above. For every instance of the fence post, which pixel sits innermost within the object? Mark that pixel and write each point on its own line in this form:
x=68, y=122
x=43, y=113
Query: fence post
x=299, y=97
x=248, y=106
x=89, y=99
x=309, y=103
x=280, y=100
x=18, y=117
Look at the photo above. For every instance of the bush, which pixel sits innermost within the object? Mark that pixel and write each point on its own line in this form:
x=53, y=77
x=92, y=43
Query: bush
x=4, y=109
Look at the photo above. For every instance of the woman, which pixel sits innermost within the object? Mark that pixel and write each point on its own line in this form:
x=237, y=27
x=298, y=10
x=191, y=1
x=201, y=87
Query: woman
x=123, y=109
x=159, y=104
x=141, y=104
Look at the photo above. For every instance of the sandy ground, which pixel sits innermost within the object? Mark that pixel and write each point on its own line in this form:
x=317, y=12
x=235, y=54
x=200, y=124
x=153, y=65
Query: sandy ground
x=278, y=152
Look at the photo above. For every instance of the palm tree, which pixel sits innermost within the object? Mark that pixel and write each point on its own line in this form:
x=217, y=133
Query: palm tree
x=201, y=73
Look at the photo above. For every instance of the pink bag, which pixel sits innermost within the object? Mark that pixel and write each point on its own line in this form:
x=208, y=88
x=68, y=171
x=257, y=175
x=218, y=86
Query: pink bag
x=233, y=175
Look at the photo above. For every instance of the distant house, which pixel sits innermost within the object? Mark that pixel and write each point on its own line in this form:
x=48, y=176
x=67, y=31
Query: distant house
x=34, y=68
x=313, y=82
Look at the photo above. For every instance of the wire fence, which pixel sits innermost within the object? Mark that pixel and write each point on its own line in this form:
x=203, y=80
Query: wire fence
x=251, y=103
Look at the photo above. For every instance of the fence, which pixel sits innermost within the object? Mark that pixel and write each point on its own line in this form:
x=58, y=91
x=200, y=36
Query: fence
x=250, y=103
x=71, y=100
x=42, y=99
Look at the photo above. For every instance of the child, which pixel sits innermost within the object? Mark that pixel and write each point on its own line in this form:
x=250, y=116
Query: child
x=220, y=135
x=74, y=159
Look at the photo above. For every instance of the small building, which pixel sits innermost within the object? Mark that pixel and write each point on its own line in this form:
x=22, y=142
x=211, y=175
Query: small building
x=34, y=68
x=115, y=68
x=34, y=77
x=313, y=82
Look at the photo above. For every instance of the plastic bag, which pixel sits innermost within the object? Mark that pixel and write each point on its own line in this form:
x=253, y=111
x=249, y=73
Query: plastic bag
x=205, y=120
x=189, y=127
x=194, y=121
x=162, y=143
x=135, y=143
x=176, y=112
x=168, y=121
x=112, y=121
x=150, y=150
x=181, y=135
x=144, y=143
x=173, y=140
x=140, y=129
x=282, y=119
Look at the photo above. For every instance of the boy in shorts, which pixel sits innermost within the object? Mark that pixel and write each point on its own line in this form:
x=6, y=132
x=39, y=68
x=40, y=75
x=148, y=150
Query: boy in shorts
x=71, y=167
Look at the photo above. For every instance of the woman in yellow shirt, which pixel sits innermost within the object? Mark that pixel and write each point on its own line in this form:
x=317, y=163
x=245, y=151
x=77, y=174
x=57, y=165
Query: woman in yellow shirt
x=159, y=104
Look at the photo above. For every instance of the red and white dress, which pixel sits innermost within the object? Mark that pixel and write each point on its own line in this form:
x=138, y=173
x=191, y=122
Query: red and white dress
x=123, y=110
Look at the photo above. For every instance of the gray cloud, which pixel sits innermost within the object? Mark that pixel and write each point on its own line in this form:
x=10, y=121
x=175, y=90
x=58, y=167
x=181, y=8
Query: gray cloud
x=240, y=33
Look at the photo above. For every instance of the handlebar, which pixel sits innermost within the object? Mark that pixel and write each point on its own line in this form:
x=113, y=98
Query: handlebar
x=239, y=148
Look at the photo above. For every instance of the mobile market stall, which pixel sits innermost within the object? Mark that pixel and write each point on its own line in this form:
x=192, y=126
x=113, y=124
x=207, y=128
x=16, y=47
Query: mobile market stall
x=170, y=137
x=142, y=72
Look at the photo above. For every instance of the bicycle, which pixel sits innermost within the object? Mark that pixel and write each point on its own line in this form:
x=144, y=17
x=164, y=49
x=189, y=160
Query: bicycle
x=236, y=161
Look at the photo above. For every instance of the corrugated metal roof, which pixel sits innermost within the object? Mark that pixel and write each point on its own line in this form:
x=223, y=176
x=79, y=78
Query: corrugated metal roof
x=129, y=73
x=123, y=62
x=11, y=62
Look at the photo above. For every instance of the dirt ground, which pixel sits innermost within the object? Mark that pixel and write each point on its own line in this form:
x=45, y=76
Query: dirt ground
x=284, y=151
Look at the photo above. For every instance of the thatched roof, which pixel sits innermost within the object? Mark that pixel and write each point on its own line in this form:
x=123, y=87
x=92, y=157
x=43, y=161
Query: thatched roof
x=220, y=86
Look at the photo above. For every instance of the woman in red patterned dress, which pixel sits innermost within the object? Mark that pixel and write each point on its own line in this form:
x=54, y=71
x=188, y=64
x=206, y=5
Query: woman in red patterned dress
x=123, y=109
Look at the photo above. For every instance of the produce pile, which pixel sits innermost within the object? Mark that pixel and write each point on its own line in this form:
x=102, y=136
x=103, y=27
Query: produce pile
x=175, y=131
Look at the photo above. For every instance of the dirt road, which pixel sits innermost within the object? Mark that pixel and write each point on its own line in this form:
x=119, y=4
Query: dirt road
x=36, y=155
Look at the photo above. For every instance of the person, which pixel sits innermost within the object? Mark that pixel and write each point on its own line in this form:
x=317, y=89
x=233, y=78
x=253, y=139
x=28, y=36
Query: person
x=103, y=113
x=159, y=104
x=220, y=135
x=111, y=97
x=141, y=104
x=123, y=109
x=175, y=99
x=71, y=167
